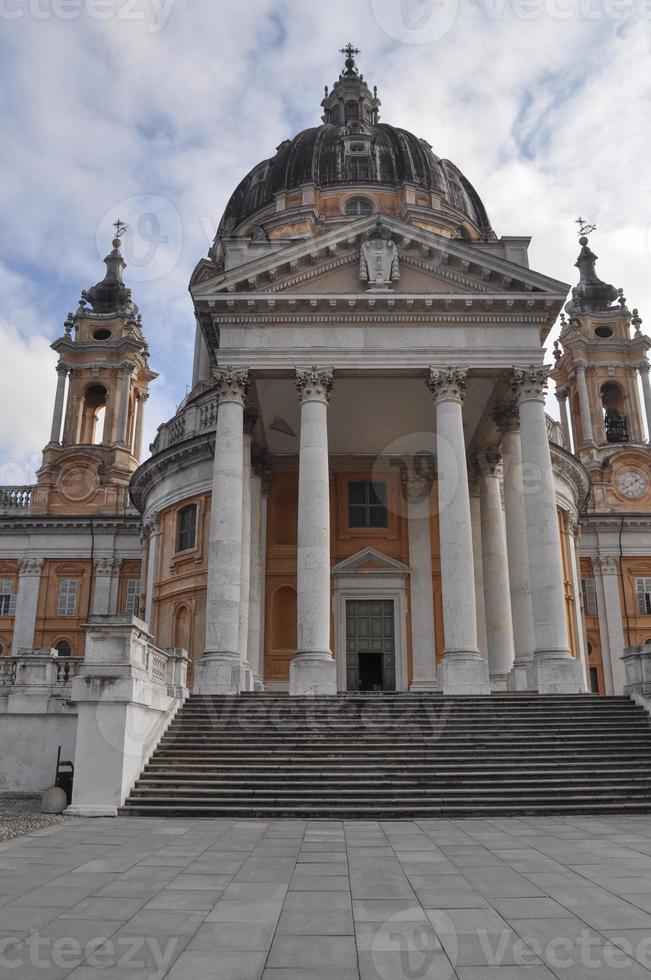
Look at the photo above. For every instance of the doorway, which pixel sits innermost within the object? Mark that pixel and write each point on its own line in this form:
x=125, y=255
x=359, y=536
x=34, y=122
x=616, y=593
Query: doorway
x=370, y=645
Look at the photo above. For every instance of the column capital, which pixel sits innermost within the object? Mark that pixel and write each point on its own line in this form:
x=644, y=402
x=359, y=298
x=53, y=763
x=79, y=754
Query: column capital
x=250, y=421
x=447, y=384
x=62, y=368
x=232, y=385
x=562, y=394
x=607, y=564
x=314, y=384
x=489, y=461
x=529, y=384
x=506, y=417
x=643, y=366
x=580, y=366
x=152, y=524
x=573, y=527
x=30, y=566
x=143, y=396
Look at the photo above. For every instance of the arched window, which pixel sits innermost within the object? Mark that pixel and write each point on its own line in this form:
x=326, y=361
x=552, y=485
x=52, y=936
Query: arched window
x=612, y=399
x=92, y=416
x=186, y=535
x=358, y=206
x=64, y=649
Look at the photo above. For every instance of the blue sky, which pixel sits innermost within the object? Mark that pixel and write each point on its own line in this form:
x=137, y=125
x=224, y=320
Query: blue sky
x=152, y=111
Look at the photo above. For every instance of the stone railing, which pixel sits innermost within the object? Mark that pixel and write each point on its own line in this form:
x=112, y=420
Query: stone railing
x=191, y=420
x=31, y=678
x=15, y=499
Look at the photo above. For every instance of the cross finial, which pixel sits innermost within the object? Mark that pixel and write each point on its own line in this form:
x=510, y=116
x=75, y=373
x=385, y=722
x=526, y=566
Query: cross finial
x=120, y=228
x=585, y=228
x=349, y=51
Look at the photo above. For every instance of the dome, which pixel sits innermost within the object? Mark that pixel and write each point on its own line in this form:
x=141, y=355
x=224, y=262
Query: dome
x=352, y=149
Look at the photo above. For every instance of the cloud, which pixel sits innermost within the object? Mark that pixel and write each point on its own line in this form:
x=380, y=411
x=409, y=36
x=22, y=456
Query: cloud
x=542, y=111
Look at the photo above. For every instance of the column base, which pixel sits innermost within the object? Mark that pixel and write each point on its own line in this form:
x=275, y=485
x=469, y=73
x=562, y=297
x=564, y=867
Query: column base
x=425, y=686
x=464, y=672
x=258, y=683
x=518, y=679
x=499, y=682
x=220, y=673
x=312, y=674
x=555, y=674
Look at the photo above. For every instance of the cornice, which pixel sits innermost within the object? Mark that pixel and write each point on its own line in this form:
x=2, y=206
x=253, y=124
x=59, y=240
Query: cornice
x=200, y=448
x=68, y=525
x=572, y=469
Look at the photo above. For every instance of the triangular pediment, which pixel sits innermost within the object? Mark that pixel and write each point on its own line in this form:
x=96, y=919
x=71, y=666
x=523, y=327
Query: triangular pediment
x=370, y=561
x=429, y=263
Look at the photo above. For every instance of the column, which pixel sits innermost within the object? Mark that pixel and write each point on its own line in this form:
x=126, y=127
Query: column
x=508, y=422
x=57, y=415
x=497, y=600
x=462, y=670
x=256, y=576
x=123, y=411
x=554, y=670
x=250, y=419
x=643, y=367
x=153, y=530
x=584, y=402
x=140, y=420
x=611, y=625
x=312, y=671
x=204, y=360
x=220, y=669
x=561, y=396
x=575, y=571
x=29, y=582
x=142, y=598
x=475, y=522
x=418, y=490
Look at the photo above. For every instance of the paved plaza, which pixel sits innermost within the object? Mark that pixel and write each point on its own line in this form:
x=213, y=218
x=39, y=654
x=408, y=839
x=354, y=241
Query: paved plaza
x=543, y=898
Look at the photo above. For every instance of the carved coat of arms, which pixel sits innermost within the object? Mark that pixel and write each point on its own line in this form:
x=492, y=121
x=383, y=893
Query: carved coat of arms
x=378, y=260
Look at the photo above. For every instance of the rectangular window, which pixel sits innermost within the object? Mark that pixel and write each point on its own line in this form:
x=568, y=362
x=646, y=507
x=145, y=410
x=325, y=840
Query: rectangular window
x=367, y=504
x=68, y=596
x=132, y=604
x=589, y=596
x=187, y=528
x=7, y=598
x=643, y=592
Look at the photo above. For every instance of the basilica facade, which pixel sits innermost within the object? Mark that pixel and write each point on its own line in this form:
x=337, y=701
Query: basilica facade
x=362, y=490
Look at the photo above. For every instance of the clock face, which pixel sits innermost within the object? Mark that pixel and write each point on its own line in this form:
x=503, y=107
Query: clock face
x=631, y=483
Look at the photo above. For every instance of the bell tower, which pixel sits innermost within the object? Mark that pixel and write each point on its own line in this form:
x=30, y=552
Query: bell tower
x=103, y=379
x=598, y=361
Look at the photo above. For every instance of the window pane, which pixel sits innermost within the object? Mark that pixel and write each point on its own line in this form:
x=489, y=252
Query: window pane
x=367, y=504
x=187, y=524
x=67, y=597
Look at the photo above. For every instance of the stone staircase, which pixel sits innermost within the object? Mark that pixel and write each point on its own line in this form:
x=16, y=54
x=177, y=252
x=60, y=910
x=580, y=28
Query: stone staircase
x=402, y=755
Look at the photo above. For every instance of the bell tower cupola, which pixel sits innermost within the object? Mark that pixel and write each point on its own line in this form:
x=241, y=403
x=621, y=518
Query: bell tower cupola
x=103, y=379
x=600, y=358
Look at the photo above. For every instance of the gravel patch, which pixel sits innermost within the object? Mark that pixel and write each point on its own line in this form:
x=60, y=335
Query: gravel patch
x=22, y=815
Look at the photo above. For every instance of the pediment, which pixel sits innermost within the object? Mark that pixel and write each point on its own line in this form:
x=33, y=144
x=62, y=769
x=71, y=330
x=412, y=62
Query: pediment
x=370, y=561
x=429, y=263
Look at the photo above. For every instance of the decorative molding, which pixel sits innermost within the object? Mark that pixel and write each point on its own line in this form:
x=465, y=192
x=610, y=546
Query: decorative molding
x=489, y=461
x=507, y=417
x=529, y=384
x=314, y=384
x=447, y=384
x=30, y=566
x=232, y=384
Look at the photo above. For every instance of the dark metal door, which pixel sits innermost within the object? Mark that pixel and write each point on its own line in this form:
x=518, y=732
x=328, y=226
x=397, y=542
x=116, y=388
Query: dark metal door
x=370, y=632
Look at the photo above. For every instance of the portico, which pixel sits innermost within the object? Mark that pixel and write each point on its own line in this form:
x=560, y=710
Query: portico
x=370, y=503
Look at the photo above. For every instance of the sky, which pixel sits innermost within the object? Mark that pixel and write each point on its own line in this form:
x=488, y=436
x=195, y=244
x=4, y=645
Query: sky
x=153, y=110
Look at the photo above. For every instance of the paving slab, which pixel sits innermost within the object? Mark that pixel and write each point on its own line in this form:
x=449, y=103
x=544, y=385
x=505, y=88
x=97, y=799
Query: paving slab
x=502, y=899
